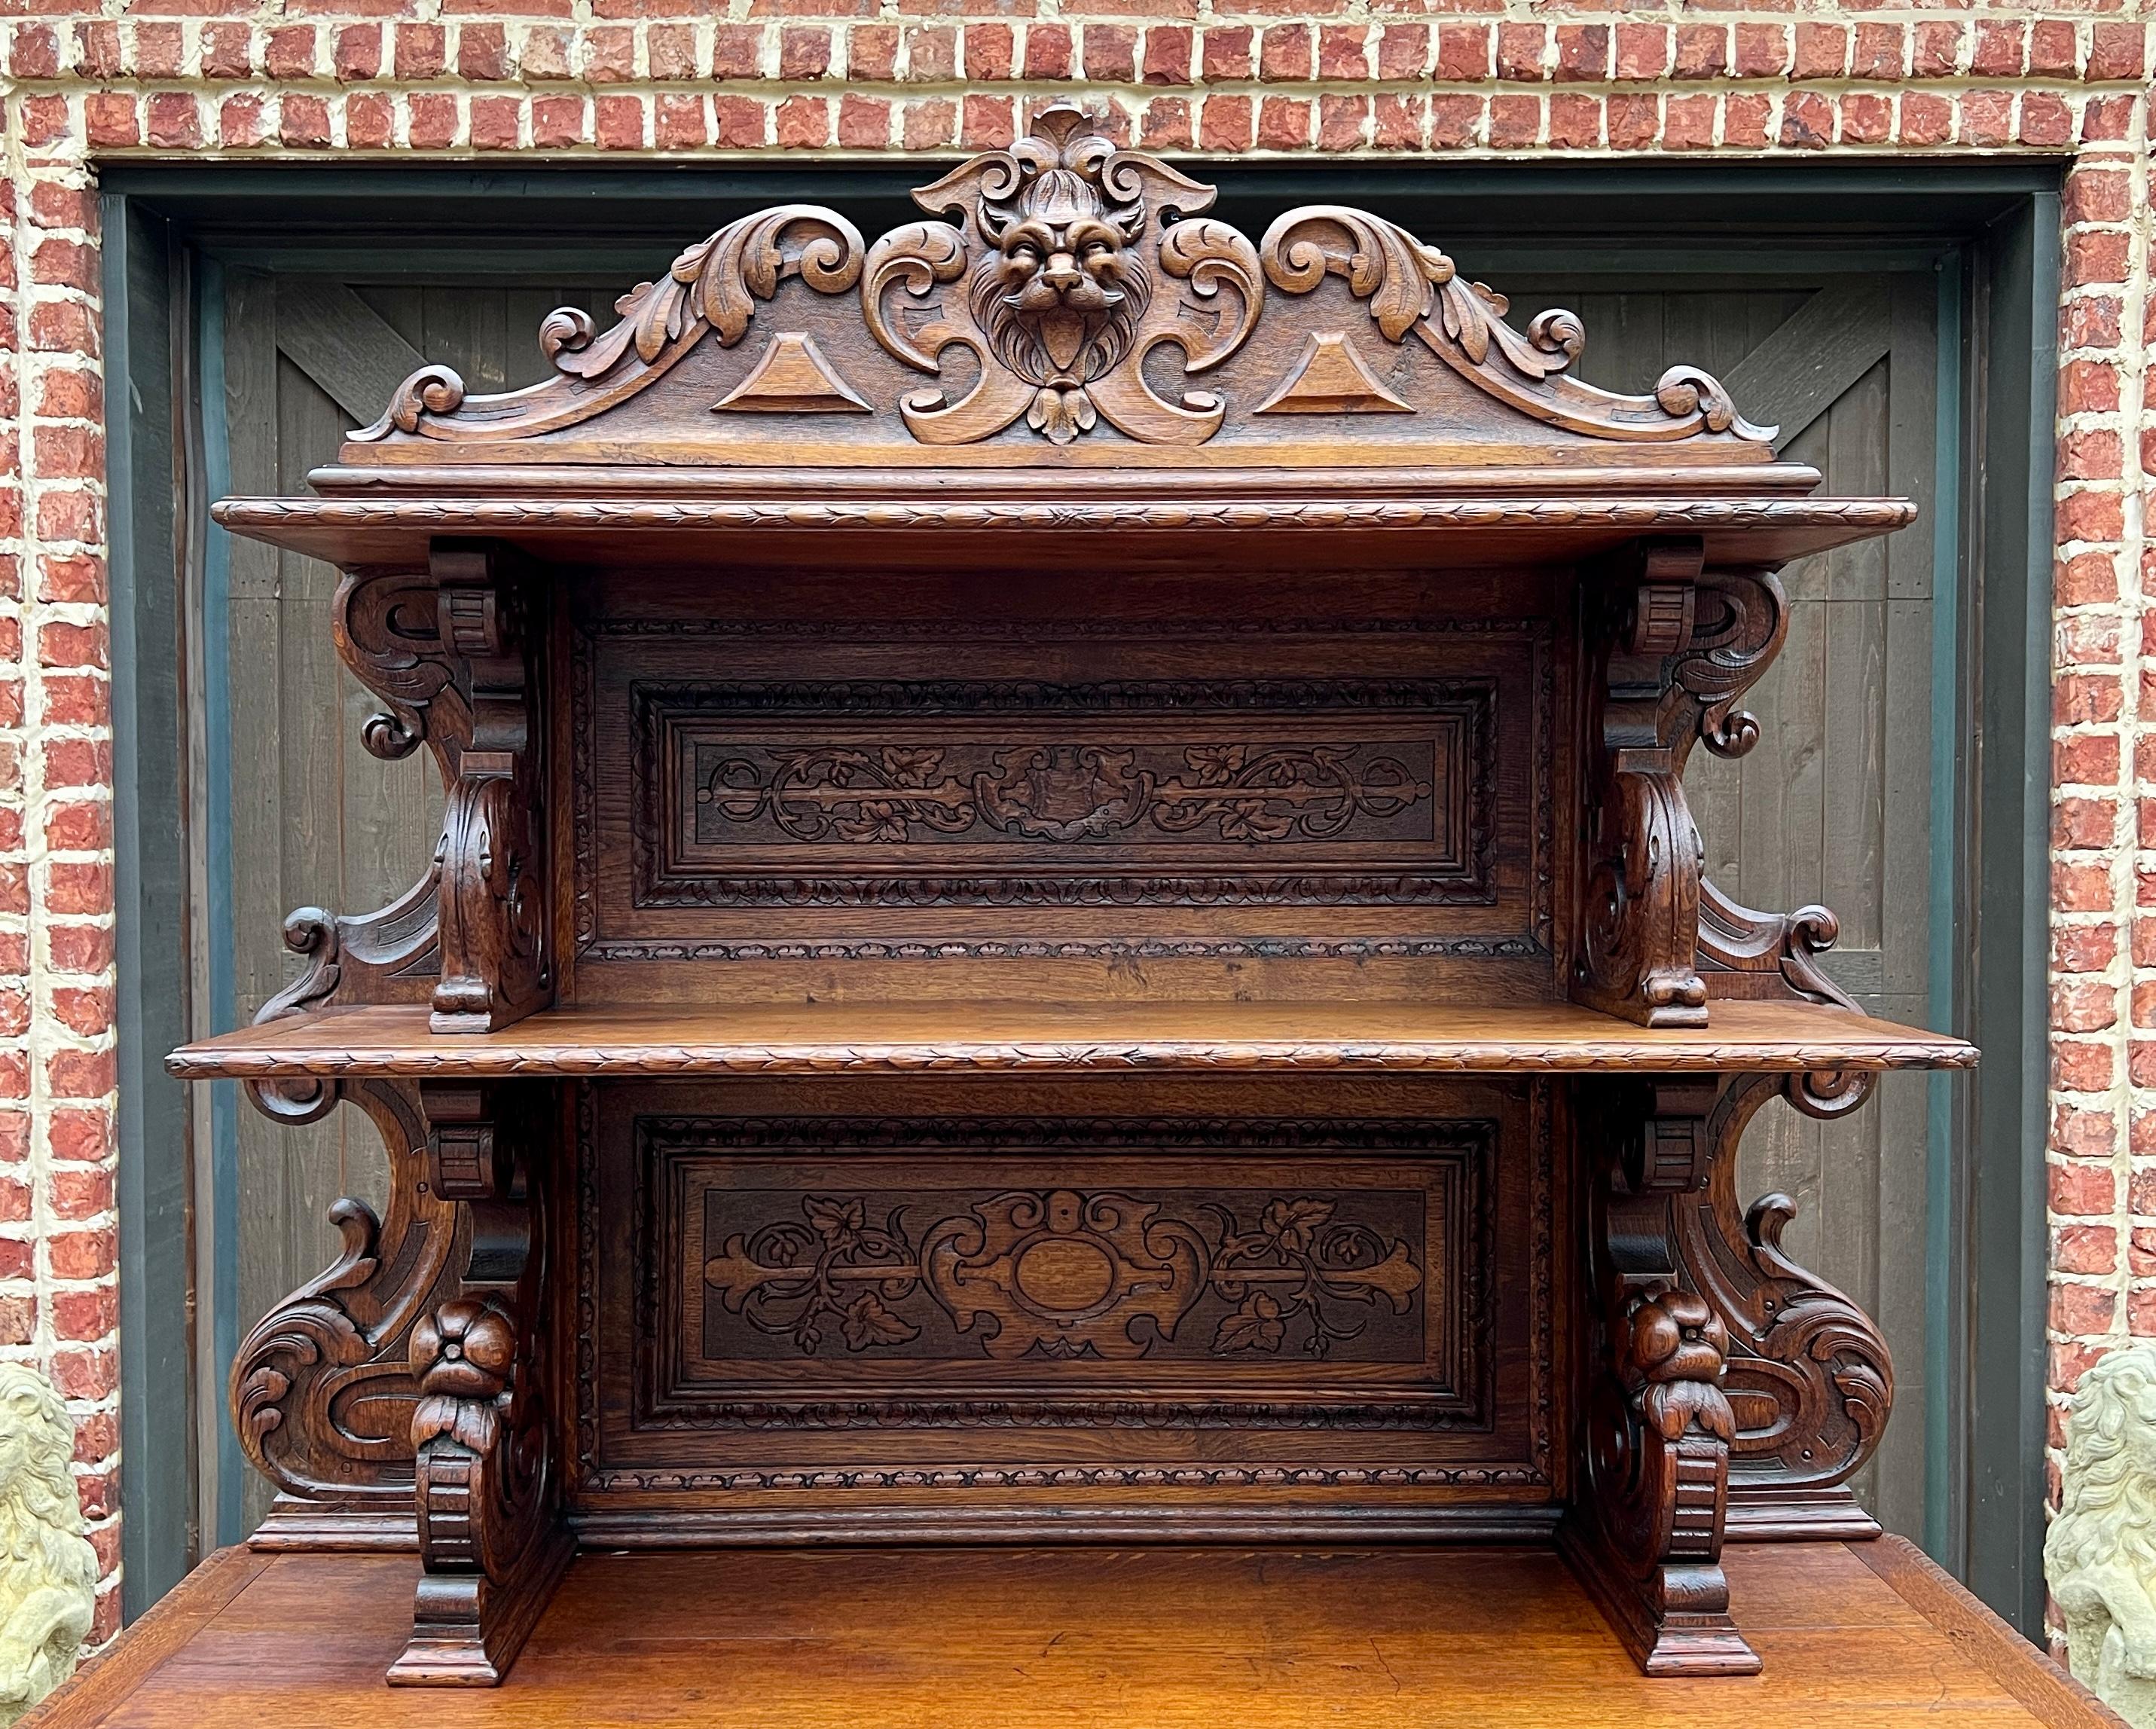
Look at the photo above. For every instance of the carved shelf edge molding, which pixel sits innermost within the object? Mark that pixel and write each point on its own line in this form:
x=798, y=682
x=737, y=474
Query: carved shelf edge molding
x=1058, y=268
x=1778, y=1037
x=1834, y=519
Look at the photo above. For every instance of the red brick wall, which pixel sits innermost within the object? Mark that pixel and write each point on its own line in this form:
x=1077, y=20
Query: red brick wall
x=605, y=79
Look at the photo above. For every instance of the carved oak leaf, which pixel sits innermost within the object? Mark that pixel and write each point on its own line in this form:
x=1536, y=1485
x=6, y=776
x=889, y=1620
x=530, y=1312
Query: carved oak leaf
x=839, y=1222
x=1292, y=1224
x=716, y=282
x=1254, y=1325
x=869, y=1322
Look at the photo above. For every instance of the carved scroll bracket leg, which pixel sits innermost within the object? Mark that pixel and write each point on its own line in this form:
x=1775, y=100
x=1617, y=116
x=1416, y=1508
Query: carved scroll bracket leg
x=490, y=1536
x=1645, y=1533
x=1809, y=1376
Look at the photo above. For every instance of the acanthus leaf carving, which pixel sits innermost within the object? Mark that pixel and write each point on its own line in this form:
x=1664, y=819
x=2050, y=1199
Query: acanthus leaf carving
x=1810, y=1375
x=715, y=282
x=486, y=1480
x=1412, y=288
x=1647, y=1533
x=1675, y=647
x=1056, y=267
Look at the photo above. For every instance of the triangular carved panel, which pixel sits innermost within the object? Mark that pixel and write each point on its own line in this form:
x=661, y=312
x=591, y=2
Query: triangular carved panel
x=792, y=377
x=1330, y=377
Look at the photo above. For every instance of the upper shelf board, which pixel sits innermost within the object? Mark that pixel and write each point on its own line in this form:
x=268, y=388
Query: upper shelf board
x=1053, y=347
x=899, y=1038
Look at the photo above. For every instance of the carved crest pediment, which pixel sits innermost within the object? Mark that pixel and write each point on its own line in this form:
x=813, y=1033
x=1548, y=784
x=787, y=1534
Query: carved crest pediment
x=1060, y=296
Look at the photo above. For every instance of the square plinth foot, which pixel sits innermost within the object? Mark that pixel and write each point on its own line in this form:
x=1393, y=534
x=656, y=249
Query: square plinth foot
x=467, y=1628
x=1674, y=1618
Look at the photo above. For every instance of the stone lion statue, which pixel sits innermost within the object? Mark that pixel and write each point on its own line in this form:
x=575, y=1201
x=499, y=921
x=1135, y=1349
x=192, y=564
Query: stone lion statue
x=2100, y=1555
x=48, y=1569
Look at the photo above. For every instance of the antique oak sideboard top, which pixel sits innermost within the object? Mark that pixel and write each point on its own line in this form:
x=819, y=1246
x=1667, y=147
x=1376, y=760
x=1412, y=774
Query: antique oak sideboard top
x=1066, y=915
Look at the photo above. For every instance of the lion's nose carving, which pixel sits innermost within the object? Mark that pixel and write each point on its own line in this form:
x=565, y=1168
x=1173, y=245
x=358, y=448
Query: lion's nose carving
x=1061, y=273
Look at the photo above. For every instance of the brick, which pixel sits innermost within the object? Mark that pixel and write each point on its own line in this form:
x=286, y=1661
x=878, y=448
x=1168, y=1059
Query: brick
x=1821, y=51
x=1110, y=52
x=2118, y=50
x=1286, y=53
x=1575, y=122
x=991, y=51
x=1465, y=52
x=618, y=122
x=1048, y=51
x=1703, y=50
x=1170, y=51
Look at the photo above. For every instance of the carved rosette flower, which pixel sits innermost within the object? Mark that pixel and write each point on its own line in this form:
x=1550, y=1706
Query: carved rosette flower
x=1673, y=1350
x=465, y=1350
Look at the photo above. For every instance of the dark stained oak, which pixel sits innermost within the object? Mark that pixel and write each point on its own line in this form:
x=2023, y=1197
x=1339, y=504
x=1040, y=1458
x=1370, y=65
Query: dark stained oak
x=1066, y=911
x=1024, y=1639
x=786, y=1038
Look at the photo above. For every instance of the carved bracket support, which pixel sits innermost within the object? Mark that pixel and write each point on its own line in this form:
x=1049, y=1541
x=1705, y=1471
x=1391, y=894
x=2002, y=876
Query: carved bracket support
x=487, y=1482
x=1646, y=1534
x=1809, y=1378
x=1674, y=647
x=496, y=968
x=321, y=1392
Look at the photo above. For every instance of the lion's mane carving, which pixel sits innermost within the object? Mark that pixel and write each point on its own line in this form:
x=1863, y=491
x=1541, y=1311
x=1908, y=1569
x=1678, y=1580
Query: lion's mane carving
x=48, y=1569
x=1062, y=288
x=2100, y=1555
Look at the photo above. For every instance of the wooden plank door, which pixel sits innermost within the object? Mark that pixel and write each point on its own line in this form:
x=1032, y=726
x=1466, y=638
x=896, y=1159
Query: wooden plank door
x=313, y=819
x=1847, y=367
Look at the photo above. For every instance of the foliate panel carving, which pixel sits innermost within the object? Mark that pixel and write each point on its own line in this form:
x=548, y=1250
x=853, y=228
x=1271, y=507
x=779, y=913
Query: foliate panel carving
x=912, y=1273
x=1163, y=1275
x=894, y=793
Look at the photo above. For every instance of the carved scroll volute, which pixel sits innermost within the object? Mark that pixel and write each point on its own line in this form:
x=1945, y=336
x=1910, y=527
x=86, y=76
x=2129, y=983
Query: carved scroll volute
x=1058, y=265
x=1675, y=647
x=486, y=1482
x=321, y=1395
x=1646, y=1534
x=495, y=967
x=1809, y=1376
x=1413, y=289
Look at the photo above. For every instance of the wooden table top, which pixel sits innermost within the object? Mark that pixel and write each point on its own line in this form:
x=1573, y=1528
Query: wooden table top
x=829, y=1037
x=1861, y=1636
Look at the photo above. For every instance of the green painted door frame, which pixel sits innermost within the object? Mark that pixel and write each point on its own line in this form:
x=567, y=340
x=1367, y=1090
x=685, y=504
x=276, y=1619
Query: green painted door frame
x=1988, y=230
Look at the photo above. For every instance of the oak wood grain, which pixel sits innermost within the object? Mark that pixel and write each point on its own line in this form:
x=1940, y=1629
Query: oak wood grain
x=897, y=1037
x=1152, y=1639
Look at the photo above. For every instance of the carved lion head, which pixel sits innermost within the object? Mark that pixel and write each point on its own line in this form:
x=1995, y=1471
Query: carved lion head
x=1061, y=288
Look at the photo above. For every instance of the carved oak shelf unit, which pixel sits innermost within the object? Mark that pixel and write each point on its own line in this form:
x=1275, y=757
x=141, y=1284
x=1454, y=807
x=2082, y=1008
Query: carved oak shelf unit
x=1066, y=912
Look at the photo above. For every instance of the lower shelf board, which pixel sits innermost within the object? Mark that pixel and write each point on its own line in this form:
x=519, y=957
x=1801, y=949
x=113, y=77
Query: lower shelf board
x=1852, y=1635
